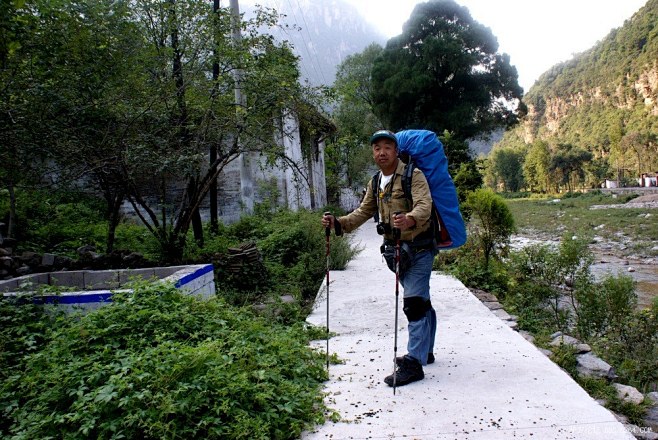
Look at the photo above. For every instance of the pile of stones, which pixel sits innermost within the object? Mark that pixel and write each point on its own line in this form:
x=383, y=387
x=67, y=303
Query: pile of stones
x=14, y=264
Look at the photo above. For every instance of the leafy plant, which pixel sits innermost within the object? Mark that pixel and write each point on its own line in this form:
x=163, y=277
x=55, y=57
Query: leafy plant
x=494, y=223
x=159, y=364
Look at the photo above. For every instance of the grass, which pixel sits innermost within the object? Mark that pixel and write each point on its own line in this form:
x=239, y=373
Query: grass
x=550, y=217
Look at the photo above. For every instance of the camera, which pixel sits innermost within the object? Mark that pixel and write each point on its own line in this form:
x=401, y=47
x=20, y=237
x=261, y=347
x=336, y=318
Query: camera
x=383, y=228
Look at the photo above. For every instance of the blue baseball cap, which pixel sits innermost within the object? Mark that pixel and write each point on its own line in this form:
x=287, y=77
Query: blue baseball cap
x=383, y=134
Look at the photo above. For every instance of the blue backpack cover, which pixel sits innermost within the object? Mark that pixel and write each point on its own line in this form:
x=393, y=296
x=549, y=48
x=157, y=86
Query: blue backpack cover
x=426, y=151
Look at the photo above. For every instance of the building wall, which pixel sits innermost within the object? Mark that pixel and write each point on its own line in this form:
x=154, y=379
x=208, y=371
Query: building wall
x=250, y=179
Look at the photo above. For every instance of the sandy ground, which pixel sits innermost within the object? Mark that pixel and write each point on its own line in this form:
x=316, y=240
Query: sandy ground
x=643, y=202
x=649, y=198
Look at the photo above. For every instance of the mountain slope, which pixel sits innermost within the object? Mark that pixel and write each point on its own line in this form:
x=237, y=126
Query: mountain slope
x=599, y=96
x=323, y=34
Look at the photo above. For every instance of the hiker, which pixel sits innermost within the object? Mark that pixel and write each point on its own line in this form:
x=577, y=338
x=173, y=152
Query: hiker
x=417, y=247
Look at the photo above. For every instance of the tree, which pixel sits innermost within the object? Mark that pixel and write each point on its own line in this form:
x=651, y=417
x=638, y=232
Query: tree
x=20, y=122
x=536, y=167
x=348, y=153
x=119, y=95
x=495, y=223
x=638, y=144
x=443, y=73
x=184, y=119
x=569, y=162
x=506, y=167
x=467, y=180
x=456, y=149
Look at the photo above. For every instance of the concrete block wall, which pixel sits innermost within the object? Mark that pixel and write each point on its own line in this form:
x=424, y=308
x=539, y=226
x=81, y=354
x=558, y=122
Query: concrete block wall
x=93, y=289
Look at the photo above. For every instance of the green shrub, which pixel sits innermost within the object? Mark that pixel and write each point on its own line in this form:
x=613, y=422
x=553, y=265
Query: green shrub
x=57, y=221
x=494, y=223
x=605, y=306
x=24, y=329
x=601, y=389
x=250, y=228
x=632, y=348
x=157, y=364
x=293, y=247
x=467, y=265
x=565, y=356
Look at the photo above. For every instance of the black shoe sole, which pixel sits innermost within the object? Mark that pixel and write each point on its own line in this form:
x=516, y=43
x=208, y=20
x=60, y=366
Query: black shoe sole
x=399, y=383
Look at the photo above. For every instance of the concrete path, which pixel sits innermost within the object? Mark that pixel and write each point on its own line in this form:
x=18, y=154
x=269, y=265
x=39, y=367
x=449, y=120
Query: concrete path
x=487, y=383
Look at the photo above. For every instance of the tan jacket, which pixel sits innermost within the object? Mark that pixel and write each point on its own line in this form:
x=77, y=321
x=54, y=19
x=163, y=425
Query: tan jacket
x=420, y=211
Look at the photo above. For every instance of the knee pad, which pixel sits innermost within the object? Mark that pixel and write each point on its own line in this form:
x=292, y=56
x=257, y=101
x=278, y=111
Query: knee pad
x=415, y=307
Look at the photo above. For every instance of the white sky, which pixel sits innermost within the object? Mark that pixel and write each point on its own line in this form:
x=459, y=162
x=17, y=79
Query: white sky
x=537, y=34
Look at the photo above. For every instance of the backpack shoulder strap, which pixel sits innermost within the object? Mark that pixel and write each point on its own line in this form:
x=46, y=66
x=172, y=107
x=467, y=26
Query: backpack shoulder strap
x=406, y=180
x=375, y=193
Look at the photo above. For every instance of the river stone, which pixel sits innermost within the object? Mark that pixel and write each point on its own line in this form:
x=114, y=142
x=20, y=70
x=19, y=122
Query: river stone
x=502, y=314
x=527, y=336
x=628, y=393
x=653, y=396
x=651, y=418
x=641, y=433
x=48, y=260
x=570, y=340
x=590, y=365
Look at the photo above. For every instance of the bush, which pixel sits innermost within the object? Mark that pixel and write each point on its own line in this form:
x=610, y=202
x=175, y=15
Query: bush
x=604, y=307
x=467, y=265
x=158, y=364
x=632, y=348
x=293, y=247
x=296, y=251
x=56, y=220
x=494, y=224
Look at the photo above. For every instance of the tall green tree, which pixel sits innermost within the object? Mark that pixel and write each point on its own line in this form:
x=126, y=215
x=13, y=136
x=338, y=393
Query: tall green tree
x=21, y=124
x=184, y=39
x=569, y=163
x=444, y=73
x=348, y=153
x=536, y=167
x=120, y=95
x=506, y=169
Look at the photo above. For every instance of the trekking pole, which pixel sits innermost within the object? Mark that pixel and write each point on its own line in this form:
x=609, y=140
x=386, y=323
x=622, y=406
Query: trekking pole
x=327, y=233
x=396, y=234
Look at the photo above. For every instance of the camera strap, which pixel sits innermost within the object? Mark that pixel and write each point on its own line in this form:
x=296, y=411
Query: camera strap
x=379, y=194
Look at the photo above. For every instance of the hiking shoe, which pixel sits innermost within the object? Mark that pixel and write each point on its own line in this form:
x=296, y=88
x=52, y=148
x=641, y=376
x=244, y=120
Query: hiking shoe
x=409, y=371
x=430, y=359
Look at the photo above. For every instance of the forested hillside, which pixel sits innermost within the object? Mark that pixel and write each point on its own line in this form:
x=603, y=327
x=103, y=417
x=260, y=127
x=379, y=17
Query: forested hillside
x=590, y=118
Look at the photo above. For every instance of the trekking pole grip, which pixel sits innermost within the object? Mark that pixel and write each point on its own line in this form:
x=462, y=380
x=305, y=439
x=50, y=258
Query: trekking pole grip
x=327, y=230
x=396, y=231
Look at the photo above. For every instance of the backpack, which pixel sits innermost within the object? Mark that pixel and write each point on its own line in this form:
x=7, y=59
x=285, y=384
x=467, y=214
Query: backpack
x=423, y=149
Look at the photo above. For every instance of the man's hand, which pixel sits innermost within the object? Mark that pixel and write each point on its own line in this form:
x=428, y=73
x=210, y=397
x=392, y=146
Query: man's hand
x=403, y=222
x=328, y=220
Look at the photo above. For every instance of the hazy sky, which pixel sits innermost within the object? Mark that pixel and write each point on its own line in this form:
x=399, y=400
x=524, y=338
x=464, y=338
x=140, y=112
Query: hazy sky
x=537, y=34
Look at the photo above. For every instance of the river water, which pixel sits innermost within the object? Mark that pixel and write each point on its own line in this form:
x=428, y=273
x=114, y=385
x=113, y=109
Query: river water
x=643, y=272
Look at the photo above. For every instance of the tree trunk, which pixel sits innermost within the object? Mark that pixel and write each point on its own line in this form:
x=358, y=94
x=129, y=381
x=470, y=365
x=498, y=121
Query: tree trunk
x=178, y=234
x=113, y=221
x=12, y=209
x=197, y=226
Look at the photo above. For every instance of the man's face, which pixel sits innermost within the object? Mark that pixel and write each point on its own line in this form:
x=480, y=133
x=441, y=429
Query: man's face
x=384, y=153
